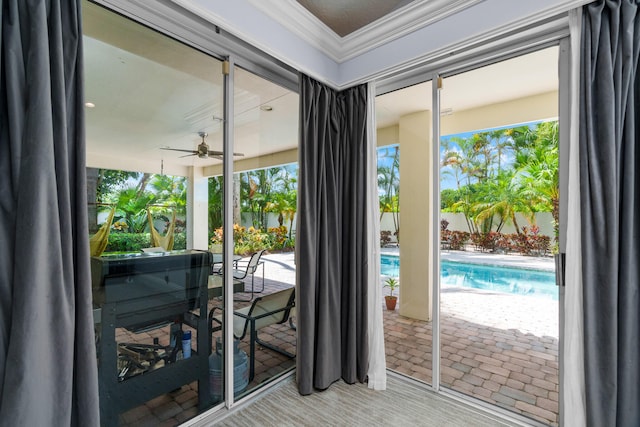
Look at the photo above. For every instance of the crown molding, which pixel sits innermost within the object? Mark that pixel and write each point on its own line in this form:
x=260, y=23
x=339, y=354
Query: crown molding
x=542, y=28
x=405, y=20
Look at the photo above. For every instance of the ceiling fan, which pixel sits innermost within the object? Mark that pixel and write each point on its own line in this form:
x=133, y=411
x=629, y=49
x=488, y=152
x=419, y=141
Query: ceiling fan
x=202, y=151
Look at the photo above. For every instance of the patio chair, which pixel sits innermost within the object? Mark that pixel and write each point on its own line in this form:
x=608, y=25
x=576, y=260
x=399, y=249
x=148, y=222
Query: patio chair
x=275, y=308
x=242, y=269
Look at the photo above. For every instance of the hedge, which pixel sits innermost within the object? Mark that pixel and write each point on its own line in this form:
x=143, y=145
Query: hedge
x=134, y=242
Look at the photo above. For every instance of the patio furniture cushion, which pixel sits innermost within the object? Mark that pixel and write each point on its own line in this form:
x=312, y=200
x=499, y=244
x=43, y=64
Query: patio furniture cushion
x=264, y=311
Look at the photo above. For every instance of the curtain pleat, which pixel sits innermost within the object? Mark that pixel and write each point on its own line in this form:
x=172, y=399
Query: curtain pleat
x=610, y=199
x=48, y=372
x=331, y=240
x=572, y=368
x=377, y=373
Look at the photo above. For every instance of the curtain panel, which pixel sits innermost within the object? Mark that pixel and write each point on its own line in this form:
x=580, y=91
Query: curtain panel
x=377, y=374
x=331, y=240
x=610, y=200
x=572, y=406
x=48, y=372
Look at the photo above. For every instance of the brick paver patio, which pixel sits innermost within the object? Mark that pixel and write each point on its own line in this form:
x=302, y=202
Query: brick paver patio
x=497, y=347
x=517, y=371
x=180, y=405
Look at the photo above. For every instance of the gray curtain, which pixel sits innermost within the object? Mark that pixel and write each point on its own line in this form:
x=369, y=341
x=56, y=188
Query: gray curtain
x=48, y=373
x=610, y=191
x=331, y=237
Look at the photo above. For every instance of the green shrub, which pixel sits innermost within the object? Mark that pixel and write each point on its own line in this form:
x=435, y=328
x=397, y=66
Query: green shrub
x=456, y=239
x=250, y=240
x=128, y=242
x=180, y=241
x=528, y=242
x=135, y=242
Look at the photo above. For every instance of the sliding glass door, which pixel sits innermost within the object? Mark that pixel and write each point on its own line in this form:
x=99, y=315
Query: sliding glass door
x=404, y=140
x=499, y=153
x=263, y=204
x=151, y=112
x=485, y=325
x=181, y=147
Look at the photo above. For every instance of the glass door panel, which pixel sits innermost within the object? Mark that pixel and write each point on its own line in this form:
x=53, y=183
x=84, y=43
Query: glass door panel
x=499, y=200
x=265, y=175
x=404, y=139
x=151, y=102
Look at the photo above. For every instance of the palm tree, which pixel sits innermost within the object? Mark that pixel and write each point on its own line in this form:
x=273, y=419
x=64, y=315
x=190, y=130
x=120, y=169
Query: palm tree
x=539, y=171
x=170, y=191
x=215, y=203
x=462, y=156
x=285, y=204
x=491, y=191
x=503, y=198
x=258, y=188
x=467, y=206
x=389, y=185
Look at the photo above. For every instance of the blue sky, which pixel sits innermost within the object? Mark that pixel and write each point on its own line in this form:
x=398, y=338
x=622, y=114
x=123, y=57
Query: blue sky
x=447, y=181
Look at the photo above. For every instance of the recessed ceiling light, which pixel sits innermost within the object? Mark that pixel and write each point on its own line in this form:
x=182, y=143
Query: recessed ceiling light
x=266, y=107
x=89, y=104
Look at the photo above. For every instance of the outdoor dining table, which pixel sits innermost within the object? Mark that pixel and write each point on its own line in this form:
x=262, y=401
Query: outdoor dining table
x=218, y=259
x=215, y=286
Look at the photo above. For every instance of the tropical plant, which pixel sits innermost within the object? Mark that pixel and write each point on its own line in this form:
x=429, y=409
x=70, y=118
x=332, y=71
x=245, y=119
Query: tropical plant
x=101, y=183
x=501, y=173
x=466, y=206
x=215, y=203
x=131, y=208
x=502, y=198
x=540, y=173
x=392, y=283
x=170, y=191
x=385, y=238
x=249, y=240
x=285, y=205
x=454, y=238
x=389, y=183
x=132, y=193
x=258, y=188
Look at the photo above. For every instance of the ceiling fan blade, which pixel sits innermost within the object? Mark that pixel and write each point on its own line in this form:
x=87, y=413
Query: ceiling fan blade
x=188, y=155
x=177, y=149
x=214, y=153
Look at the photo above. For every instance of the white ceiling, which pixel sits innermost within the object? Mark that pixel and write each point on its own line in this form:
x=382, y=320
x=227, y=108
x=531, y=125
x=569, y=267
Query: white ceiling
x=152, y=92
x=523, y=76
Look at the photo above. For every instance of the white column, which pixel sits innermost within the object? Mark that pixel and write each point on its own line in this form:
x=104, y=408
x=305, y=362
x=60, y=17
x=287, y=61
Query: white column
x=415, y=192
x=197, y=209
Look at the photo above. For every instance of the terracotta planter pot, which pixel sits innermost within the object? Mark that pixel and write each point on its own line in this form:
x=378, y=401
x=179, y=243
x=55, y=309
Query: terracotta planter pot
x=391, y=302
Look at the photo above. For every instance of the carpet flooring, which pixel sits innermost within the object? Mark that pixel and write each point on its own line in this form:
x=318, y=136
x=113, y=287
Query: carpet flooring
x=402, y=404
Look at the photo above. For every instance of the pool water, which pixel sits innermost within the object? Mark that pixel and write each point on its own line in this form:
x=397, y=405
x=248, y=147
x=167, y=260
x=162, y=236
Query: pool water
x=390, y=265
x=519, y=281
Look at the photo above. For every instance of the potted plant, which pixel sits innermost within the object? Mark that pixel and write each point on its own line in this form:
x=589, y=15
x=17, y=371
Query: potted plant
x=391, y=300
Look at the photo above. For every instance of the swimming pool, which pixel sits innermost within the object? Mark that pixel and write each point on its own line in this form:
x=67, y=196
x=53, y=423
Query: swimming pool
x=510, y=280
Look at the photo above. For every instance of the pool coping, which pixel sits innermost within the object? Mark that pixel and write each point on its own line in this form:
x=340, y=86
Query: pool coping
x=484, y=258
